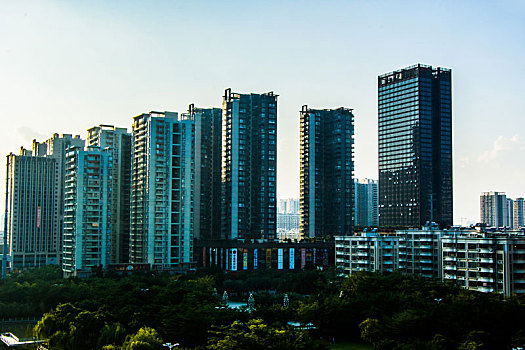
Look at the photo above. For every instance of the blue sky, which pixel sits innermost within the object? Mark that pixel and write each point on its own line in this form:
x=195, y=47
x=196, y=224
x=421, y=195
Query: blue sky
x=68, y=65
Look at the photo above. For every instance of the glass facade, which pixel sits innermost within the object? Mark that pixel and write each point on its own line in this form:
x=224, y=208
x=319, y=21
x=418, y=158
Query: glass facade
x=415, y=147
x=249, y=165
x=326, y=170
x=208, y=143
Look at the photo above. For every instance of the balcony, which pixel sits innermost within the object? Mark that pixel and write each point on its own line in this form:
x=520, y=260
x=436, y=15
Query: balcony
x=482, y=279
x=366, y=262
x=486, y=269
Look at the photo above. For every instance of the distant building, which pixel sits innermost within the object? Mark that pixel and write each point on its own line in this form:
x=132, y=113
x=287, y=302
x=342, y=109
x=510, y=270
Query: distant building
x=366, y=209
x=162, y=191
x=249, y=165
x=415, y=147
x=510, y=212
x=493, y=209
x=519, y=213
x=326, y=171
x=288, y=235
x=288, y=206
x=288, y=222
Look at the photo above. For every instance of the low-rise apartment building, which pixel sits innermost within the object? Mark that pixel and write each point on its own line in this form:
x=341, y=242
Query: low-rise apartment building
x=474, y=259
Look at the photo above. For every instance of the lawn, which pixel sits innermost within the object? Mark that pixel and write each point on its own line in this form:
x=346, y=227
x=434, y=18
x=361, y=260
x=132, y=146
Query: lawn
x=350, y=345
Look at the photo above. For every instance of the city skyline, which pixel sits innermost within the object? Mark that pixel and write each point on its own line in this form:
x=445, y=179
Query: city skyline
x=68, y=67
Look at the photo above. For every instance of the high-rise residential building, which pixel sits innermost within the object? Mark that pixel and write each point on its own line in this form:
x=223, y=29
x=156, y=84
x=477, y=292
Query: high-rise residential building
x=415, y=147
x=249, y=165
x=326, y=170
x=519, y=213
x=510, y=212
x=56, y=147
x=493, y=209
x=288, y=222
x=89, y=217
x=118, y=140
x=38, y=199
x=366, y=203
x=33, y=231
x=288, y=206
x=207, y=199
x=162, y=191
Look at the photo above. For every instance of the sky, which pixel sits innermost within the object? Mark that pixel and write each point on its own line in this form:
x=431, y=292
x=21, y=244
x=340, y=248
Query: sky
x=68, y=65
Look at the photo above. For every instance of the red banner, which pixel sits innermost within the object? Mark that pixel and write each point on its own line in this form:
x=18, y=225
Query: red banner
x=38, y=216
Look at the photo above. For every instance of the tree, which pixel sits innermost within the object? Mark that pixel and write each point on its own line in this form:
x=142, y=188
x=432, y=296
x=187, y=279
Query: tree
x=111, y=335
x=370, y=331
x=55, y=321
x=255, y=335
x=145, y=339
x=477, y=340
x=518, y=339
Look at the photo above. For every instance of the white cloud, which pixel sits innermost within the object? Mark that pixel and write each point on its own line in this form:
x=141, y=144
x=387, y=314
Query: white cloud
x=502, y=144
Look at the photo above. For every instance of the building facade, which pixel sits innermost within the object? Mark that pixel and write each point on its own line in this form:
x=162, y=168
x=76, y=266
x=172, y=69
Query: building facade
x=519, y=213
x=494, y=209
x=241, y=256
x=510, y=212
x=367, y=251
x=288, y=206
x=486, y=261
x=420, y=251
x=208, y=143
x=413, y=252
x=33, y=230
x=161, y=233
x=249, y=165
x=288, y=222
x=89, y=219
x=415, y=147
x=36, y=213
x=56, y=147
x=118, y=140
x=326, y=171
x=366, y=207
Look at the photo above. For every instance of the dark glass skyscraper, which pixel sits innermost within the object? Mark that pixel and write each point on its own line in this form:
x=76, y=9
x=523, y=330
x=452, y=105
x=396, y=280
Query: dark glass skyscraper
x=207, y=198
x=326, y=169
x=249, y=162
x=415, y=147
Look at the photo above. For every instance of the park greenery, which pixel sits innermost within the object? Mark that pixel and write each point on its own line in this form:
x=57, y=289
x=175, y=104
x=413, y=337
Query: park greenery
x=146, y=310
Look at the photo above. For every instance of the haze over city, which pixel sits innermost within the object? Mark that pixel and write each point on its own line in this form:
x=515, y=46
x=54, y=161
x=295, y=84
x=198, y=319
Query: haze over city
x=69, y=66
